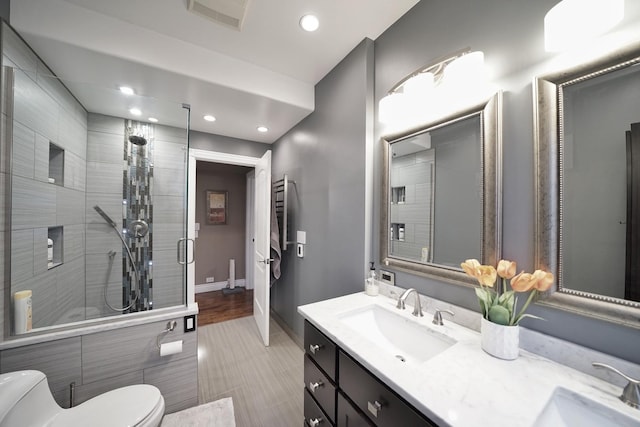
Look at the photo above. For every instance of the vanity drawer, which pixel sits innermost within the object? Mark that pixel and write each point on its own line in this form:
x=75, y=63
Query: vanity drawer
x=313, y=414
x=376, y=400
x=320, y=387
x=349, y=416
x=321, y=349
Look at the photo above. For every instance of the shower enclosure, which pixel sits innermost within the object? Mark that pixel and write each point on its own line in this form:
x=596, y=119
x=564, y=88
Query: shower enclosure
x=94, y=199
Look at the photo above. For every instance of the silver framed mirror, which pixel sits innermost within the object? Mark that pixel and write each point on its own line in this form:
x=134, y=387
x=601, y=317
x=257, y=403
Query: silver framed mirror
x=587, y=124
x=441, y=194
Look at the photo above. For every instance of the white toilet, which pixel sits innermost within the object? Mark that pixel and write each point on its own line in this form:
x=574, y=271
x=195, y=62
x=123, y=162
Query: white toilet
x=27, y=401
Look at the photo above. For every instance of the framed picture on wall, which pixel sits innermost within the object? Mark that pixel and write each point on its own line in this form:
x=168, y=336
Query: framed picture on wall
x=216, y=207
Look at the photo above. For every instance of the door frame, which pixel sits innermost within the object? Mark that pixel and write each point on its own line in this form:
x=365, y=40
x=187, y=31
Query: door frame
x=195, y=155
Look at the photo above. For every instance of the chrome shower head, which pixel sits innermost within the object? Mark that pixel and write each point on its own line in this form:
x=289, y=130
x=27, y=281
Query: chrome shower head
x=137, y=140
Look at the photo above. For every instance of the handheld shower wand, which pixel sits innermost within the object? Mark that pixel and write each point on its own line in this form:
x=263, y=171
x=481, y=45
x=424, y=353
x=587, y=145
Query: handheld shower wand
x=112, y=223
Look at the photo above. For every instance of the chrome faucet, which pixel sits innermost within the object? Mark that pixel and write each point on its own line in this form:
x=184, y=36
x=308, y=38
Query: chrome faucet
x=630, y=392
x=437, y=316
x=417, y=308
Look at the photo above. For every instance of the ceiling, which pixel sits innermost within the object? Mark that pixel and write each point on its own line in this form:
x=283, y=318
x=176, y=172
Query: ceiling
x=263, y=75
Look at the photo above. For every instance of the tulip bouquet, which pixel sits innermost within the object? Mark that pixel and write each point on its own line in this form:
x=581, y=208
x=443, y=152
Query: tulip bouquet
x=499, y=305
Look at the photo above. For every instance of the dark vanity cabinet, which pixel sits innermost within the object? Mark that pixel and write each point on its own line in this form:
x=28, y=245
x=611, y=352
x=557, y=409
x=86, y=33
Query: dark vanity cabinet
x=340, y=392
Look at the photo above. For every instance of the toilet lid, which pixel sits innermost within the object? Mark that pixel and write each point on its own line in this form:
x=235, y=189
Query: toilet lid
x=126, y=406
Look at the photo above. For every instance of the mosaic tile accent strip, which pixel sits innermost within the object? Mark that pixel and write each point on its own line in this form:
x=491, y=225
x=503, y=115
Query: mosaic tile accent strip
x=137, y=209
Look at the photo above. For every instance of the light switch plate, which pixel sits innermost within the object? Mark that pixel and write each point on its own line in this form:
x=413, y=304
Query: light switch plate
x=300, y=250
x=190, y=323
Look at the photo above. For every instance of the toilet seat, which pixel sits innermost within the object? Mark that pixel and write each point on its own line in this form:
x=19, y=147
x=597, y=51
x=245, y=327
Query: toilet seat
x=136, y=405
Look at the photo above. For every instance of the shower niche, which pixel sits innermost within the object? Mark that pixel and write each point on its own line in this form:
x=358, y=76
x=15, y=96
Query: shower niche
x=54, y=247
x=56, y=165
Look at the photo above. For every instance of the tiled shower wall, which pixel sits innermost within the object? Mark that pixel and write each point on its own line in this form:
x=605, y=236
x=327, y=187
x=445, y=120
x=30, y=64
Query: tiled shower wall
x=414, y=173
x=104, y=188
x=42, y=112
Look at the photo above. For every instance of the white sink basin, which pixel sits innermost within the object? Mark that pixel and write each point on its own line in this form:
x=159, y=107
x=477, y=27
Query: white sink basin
x=400, y=337
x=568, y=409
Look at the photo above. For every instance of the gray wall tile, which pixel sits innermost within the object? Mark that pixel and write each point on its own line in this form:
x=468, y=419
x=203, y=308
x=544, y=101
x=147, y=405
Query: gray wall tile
x=105, y=147
x=104, y=178
x=72, y=134
x=111, y=353
x=75, y=172
x=17, y=51
x=108, y=124
x=176, y=383
x=74, y=239
x=33, y=204
x=70, y=295
x=102, y=238
x=21, y=255
x=169, y=155
x=69, y=206
x=165, y=236
x=87, y=391
x=168, y=182
x=168, y=291
x=171, y=134
x=41, y=172
x=34, y=108
x=168, y=210
x=22, y=151
x=44, y=291
x=40, y=250
x=58, y=360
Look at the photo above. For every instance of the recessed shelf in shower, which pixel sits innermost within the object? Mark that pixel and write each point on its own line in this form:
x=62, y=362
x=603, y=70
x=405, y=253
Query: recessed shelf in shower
x=55, y=251
x=56, y=165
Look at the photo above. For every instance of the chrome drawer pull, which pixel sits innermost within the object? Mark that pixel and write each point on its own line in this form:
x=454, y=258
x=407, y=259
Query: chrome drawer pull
x=314, y=386
x=374, y=408
x=314, y=422
x=314, y=347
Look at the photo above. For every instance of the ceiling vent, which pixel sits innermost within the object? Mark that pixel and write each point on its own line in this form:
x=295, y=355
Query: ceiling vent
x=230, y=13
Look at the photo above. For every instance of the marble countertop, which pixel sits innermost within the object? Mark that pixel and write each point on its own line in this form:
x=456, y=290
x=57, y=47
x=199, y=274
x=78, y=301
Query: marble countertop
x=463, y=384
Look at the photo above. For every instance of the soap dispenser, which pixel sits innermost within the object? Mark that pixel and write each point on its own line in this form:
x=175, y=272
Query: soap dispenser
x=371, y=284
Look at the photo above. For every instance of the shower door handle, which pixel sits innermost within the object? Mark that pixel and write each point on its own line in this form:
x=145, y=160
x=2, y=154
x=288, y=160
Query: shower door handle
x=184, y=239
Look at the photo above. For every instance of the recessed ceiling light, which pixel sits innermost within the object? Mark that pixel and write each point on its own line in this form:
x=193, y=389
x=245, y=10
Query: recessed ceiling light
x=153, y=120
x=126, y=90
x=135, y=111
x=263, y=129
x=209, y=118
x=309, y=23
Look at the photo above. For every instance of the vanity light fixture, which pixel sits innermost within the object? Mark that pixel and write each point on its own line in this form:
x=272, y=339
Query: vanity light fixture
x=431, y=90
x=262, y=129
x=572, y=22
x=209, y=118
x=153, y=120
x=126, y=90
x=309, y=23
x=135, y=111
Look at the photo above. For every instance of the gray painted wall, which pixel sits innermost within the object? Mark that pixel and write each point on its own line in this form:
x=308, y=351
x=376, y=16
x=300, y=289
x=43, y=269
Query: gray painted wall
x=511, y=35
x=5, y=8
x=325, y=154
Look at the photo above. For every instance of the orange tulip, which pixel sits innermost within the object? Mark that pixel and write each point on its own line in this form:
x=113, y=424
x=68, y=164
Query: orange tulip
x=543, y=280
x=506, y=269
x=470, y=267
x=523, y=282
x=486, y=275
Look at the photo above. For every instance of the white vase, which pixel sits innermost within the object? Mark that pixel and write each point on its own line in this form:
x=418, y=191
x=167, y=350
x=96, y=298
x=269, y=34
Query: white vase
x=500, y=341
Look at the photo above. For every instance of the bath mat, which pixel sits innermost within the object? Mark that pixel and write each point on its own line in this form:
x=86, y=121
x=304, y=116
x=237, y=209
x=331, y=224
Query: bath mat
x=212, y=414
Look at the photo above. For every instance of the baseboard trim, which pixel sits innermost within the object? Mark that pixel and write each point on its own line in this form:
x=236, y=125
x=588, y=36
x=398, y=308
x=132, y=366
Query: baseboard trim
x=280, y=321
x=216, y=286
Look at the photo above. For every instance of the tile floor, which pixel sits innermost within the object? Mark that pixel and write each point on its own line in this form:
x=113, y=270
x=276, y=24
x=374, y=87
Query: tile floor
x=266, y=383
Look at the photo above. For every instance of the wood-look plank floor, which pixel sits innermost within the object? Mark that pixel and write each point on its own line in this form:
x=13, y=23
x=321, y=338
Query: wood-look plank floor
x=215, y=307
x=265, y=383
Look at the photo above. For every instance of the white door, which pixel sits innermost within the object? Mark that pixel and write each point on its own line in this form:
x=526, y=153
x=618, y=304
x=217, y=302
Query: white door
x=262, y=250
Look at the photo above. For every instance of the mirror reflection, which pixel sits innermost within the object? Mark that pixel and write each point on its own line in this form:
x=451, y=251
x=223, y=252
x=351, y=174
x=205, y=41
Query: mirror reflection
x=428, y=225
x=441, y=194
x=588, y=182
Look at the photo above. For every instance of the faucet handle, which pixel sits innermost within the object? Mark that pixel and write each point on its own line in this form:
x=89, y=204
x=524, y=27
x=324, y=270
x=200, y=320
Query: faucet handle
x=630, y=392
x=437, y=316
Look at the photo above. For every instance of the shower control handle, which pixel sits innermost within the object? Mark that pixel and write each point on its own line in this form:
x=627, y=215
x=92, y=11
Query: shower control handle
x=315, y=422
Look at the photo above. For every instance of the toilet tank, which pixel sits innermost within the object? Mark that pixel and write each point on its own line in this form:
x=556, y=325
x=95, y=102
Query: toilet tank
x=22, y=392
